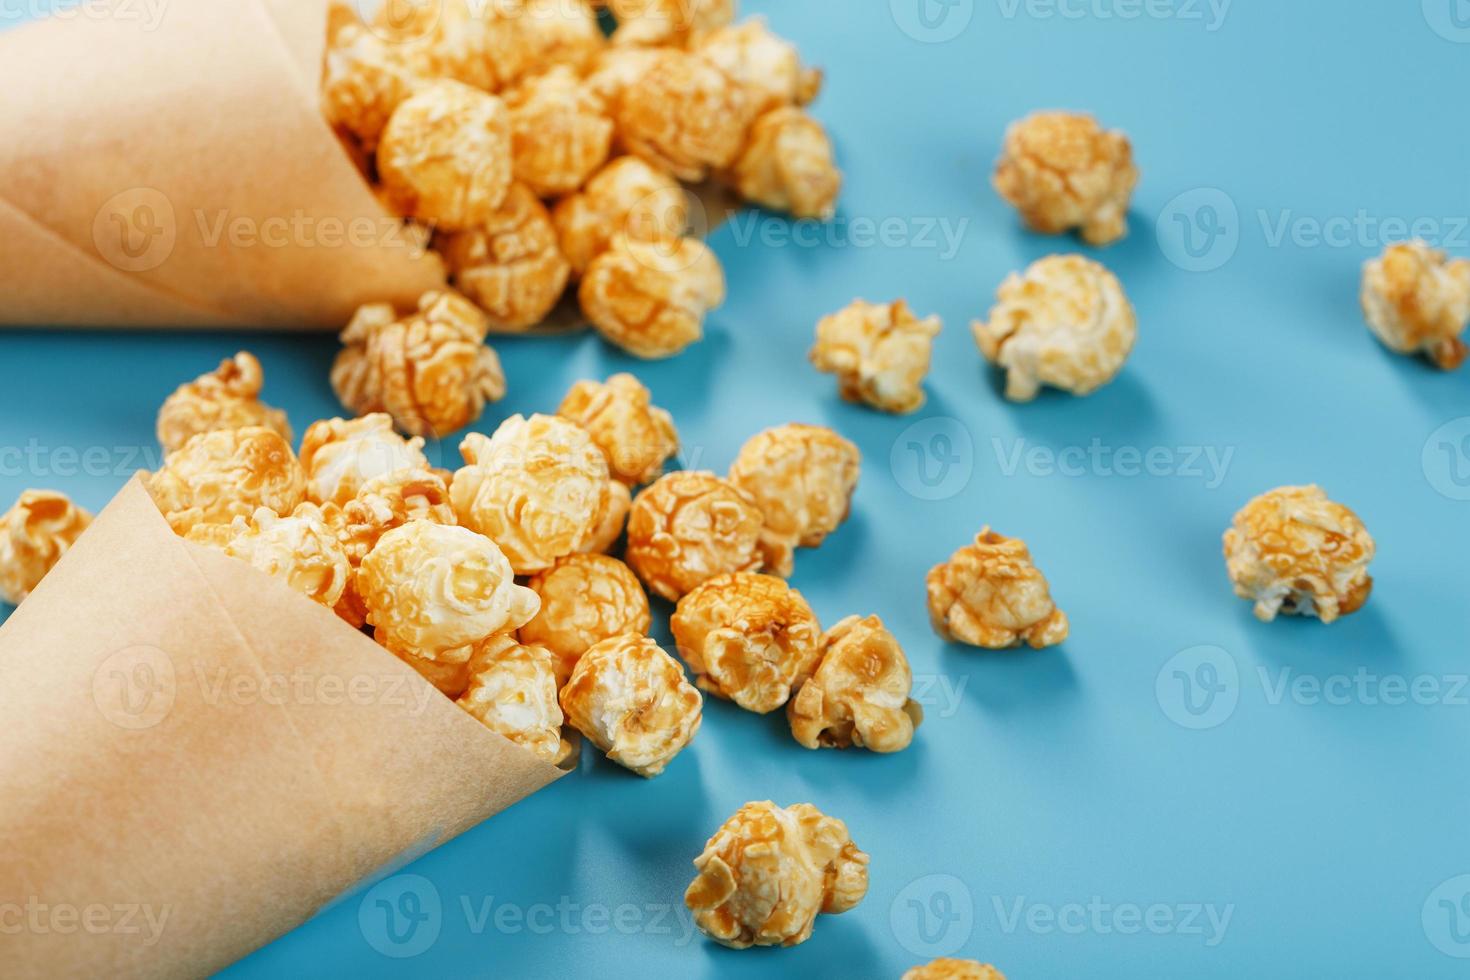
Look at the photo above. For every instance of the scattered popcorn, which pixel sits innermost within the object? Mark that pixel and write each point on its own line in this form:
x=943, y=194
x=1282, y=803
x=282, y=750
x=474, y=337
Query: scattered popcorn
x=650, y=298
x=559, y=133
x=626, y=197
x=636, y=436
x=880, y=354
x=767, y=66
x=668, y=22
x=34, y=534
x=989, y=594
x=787, y=165
x=631, y=700
x=1064, y=322
x=945, y=968
x=688, y=527
x=859, y=693
x=612, y=518
x=300, y=550
x=769, y=870
x=341, y=456
x=1418, y=302
x=512, y=692
x=585, y=599
x=684, y=115
x=364, y=78
x=1062, y=171
x=227, y=398
x=218, y=476
x=1292, y=550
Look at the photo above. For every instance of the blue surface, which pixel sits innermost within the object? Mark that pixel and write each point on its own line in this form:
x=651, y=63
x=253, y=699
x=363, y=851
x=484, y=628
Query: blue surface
x=1332, y=834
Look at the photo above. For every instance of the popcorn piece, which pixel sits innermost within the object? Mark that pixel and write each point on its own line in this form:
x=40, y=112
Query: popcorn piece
x=301, y=550
x=341, y=456
x=450, y=680
x=768, y=66
x=802, y=478
x=769, y=870
x=364, y=78
x=1418, y=302
x=945, y=968
x=585, y=599
x=1292, y=550
x=616, y=70
x=612, y=517
x=636, y=436
x=218, y=476
x=512, y=265
x=650, y=298
x=684, y=115
x=880, y=354
x=788, y=165
x=445, y=156
x=859, y=694
x=469, y=41
x=1062, y=171
x=660, y=23
x=687, y=528
x=430, y=370
x=558, y=131
x=989, y=594
x=556, y=32
x=631, y=699
x=227, y=398
x=34, y=534
x=626, y=197
x=513, y=693
x=751, y=639
x=1064, y=322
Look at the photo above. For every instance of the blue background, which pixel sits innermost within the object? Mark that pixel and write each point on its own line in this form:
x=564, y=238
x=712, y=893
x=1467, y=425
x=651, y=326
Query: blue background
x=1057, y=776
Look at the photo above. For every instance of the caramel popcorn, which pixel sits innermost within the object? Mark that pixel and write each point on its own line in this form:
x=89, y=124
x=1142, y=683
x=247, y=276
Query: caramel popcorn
x=769, y=870
x=300, y=550
x=685, y=115
x=945, y=968
x=668, y=22
x=767, y=66
x=536, y=488
x=450, y=680
x=802, y=478
x=1062, y=171
x=469, y=41
x=626, y=197
x=559, y=133
x=512, y=692
x=1418, y=302
x=511, y=265
x=636, y=436
x=364, y=78
x=227, y=398
x=880, y=354
x=631, y=699
x=617, y=500
x=687, y=528
x=585, y=599
x=1292, y=550
x=341, y=456
x=556, y=32
x=445, y=156
x=218, y=476
x=34, y=534
x=616, y=70
x=989, y=594
x=1064, y=322
x=751, y=639
x=859, y=693
x=650, y=298
x=430, y=370
x=788, y=165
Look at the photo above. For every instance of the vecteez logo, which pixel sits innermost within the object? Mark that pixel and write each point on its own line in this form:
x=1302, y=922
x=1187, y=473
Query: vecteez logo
x=1199, y=230
x=1199, y=688
x=401, y=916
x=932, y=21
x=1446, y=917
x=933, y=916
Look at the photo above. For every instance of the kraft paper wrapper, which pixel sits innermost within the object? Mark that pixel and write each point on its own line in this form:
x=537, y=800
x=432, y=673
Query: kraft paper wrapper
x=241, y=815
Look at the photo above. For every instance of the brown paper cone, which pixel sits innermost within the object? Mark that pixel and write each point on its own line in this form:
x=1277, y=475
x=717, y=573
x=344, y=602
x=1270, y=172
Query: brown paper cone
x=196, y=759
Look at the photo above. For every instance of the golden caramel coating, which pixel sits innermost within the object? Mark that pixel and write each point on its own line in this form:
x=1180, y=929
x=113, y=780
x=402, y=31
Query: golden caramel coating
x=769, y=870
x=1418, y=302
x=585, y=599
x=651, y=298
x=660, y=23
x=636, y=436
x=751, y=639
x=450, y=680
x=430, y=370
x=1294, y=551
x=512, y=692
x=536, y=488
x=511, y=265
x=34, y=534
x=631, y=699
x=684, y=115
x=612, y=518
x=768, y=66
x=225, y=474
x=626, y=197
x=945, y=968
x=469, y=41
x=1061, y=170
x=559, y=132
x=616, y=70
x=555, y=32
x=880, y=354
x=341, y=456
x=688, y=527
x=434, y=591
x=301, y=550
x=802, y=477
x=445, y=156
x=788, y=165
x=226, y=398
x=364, y=78
x=989, y=594
x=859, y=692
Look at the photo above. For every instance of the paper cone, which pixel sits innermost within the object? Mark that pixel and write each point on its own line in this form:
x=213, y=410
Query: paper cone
x=189, y=739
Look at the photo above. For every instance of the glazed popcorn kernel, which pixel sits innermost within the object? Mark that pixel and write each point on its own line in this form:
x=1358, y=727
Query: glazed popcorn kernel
x=556, y=32
x=559, y=132
x=769, y=870
x=787, y=165
x=341, y=456
x=768, y=66
x=300, y=550
x=880, y=354
x=612, y=518
x=226, y=398
x=859, y=693
x=430, y=370
x=751, y=639
x=1061, y=170
x=688, y=527
x=945, y=968
x=34, y=534
x=364, y=78
x=685, y=115
x=445, y=156
x=585, y=599
x=989, y=594
x=1064, y=322
x=450, y=680
x=651, y=298
x=636, y=436
x=631, y=699
x=1418, y=302
x=802, y=478
x=511, y=265
x=1292, y=550
x=626, y=197
x=668, y=22
x=218, y=476
x=512, y=692
x=536, y=488
x=469, y=41
x=434, y=591
x=616, y=70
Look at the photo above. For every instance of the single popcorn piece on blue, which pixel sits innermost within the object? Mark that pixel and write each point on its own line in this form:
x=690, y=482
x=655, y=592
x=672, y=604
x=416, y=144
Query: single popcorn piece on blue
x=1417, y=301
x=1063, y=171
x=879, y=352
x=859, y=693
x=990, y=594
x=34, y=534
